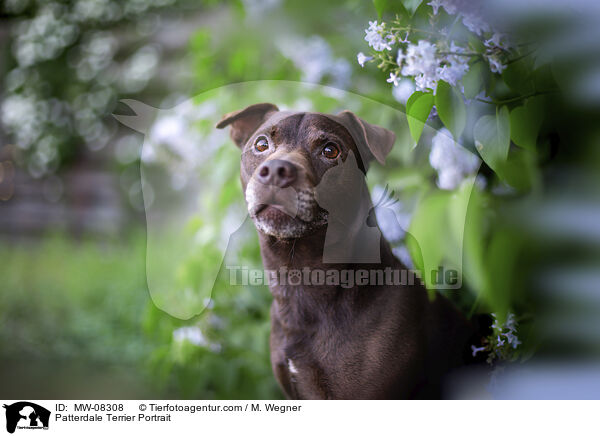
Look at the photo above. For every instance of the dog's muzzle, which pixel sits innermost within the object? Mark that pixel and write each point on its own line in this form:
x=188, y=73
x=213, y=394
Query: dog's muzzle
x=274, y=185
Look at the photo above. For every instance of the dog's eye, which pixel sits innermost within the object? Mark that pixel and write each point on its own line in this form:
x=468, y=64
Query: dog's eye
x=331, y=150
x=261, y=144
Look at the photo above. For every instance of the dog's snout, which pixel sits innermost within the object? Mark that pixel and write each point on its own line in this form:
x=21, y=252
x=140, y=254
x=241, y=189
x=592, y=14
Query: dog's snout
x=281, y=173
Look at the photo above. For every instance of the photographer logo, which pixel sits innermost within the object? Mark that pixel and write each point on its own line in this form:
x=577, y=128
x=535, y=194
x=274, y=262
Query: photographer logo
x=26, y=415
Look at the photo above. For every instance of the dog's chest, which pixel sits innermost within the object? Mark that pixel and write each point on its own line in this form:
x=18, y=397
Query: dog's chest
x=306, y=357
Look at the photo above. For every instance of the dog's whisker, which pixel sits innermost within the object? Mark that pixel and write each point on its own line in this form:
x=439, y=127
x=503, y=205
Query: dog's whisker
x=292, y=251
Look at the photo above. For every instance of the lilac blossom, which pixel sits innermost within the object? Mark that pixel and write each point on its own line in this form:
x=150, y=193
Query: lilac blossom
x=374, y=36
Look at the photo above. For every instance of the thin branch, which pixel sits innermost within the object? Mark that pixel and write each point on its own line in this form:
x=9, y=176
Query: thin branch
x=511, y=100
x=461, y=54
x=518, y=58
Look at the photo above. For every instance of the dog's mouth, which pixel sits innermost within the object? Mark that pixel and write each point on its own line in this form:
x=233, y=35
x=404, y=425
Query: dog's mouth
x=267, y=207
x=258, y=209
x=272, y=209
x=284, y=213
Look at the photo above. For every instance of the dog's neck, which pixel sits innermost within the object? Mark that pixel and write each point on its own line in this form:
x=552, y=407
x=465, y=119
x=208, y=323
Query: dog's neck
x=299, y=306
x=307, y=252
x=298, y=253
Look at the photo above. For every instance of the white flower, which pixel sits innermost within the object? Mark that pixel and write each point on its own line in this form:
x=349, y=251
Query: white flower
x=511, y=322
x=510, y=336
x=44, y=36
x=403, y=91
x=24, y=117
x=393, y=79
x=314, y=57
x=449, y=178
x=455, y=66
x=388, y=223
x=435, y=4
x=375, y=39
x=391, y=216
x=496, y=343
x=402, y=254
x=404, y=40
x=452, y=73
x=192, y=334
x=497, y=40
x=452, y=162
x=340, y=72
x=496, y=66
x=475, y=24
x=476, y=350
x=495, y=325
x=480, y=182
x=420, y=58
x=420, y=61
x=470, y=11
x=433, y=114
x=423, y=82
x=450, y=7
x=427, y=66
x=512, y=339
x=400, y=57
x=362, y=58
x=508, y=330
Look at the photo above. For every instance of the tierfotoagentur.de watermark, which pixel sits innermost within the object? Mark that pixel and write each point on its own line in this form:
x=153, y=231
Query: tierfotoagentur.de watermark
x=345, y=278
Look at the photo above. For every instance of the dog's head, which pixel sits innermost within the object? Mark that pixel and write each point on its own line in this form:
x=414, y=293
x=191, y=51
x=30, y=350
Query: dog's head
x=285, y=156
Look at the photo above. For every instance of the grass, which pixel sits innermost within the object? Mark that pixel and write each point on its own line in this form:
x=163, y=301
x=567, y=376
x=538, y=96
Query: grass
x=77, y=321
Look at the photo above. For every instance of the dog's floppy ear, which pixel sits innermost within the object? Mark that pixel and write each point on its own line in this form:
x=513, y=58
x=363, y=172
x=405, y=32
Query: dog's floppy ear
x=245, y=122
x=372, y=141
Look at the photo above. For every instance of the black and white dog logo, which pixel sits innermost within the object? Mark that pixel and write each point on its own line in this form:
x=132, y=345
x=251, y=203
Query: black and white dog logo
x=26, y=415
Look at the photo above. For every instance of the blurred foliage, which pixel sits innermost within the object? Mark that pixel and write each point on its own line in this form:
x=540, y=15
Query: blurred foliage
x=498, y=220
x=67, y=63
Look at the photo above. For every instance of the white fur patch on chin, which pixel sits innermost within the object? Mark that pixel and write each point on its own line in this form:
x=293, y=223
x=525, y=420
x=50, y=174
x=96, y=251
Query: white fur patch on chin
x=292, y=367
x=290, y=228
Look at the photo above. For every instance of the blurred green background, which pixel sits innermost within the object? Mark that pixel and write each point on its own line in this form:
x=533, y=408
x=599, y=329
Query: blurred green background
x=76, y=317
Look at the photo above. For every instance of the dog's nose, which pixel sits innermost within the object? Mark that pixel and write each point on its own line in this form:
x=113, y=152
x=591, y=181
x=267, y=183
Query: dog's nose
x=277, y=172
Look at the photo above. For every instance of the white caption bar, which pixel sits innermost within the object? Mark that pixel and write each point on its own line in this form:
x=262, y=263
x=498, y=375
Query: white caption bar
x=285, y=418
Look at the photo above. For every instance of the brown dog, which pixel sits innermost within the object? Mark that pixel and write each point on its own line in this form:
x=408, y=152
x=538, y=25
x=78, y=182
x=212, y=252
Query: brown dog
x=332, y=340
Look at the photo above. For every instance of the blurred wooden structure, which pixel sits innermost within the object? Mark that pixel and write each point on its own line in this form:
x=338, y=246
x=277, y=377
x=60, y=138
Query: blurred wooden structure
x=84, y=199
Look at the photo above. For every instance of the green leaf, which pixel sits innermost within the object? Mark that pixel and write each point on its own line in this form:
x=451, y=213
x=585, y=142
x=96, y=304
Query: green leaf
x=525, y=123
x=519, y=169
x=492, y=138
x=437, y=232
x=476, y=44
x=475, y=79
x=474, y=270
x=380, y=6
x=428, y=230
x=543, y=79
x=412, y=5
x=500, y=266
x=391, y=6
x=518, y=75
x=420, y=20
x=418, y=108
x=451, y=108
